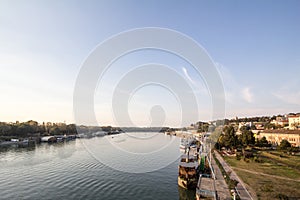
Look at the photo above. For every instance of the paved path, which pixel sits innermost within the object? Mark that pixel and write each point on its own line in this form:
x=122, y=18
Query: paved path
x=221, y=186
x=241, y=189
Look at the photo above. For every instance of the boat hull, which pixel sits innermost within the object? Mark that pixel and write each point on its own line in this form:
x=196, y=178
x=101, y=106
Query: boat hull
x=187, y=184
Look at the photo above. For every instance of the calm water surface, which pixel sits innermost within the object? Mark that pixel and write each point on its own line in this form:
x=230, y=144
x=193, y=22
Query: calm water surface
x=69, y=171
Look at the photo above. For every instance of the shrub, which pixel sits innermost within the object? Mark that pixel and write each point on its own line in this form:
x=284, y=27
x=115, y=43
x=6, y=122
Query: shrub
x=282, y=196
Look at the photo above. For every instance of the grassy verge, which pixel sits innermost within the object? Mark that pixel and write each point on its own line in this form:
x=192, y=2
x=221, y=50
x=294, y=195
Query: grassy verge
x=273, y=175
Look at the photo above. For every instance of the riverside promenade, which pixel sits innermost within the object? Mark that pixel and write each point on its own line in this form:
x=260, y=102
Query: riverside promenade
x=213, y=187
x=240, y=188
x=220, y=183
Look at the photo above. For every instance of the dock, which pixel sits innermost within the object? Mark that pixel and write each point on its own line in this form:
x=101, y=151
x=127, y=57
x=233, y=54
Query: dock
x=212, y=185
x=206, y=188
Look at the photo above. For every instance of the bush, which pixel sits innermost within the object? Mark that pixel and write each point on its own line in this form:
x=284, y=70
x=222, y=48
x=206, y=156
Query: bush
x=284, y=145
x=282, y=196
x=257, y=159
x=232, y=183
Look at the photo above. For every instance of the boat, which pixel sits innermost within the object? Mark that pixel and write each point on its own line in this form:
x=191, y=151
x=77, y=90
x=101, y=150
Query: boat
x=183, y=143
x=26, y=141
x=99, y=134
x=187, y=170
x=182, y=147
x=49, y=139
x=188, y=143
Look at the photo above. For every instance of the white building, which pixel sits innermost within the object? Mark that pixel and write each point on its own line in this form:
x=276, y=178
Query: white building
x=294, y=122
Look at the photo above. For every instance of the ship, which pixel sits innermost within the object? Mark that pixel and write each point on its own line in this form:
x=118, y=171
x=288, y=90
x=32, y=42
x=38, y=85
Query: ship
x=187, y=170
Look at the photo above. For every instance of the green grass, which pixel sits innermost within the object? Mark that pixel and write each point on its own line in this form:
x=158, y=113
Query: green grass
x=270, y=163
x=270, y=188
x=279, y=157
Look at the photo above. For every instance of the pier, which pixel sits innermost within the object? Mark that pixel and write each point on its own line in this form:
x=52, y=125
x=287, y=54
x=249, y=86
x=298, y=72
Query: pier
x=211, y=183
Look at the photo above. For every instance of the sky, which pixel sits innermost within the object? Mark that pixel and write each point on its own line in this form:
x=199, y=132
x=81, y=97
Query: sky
x=255, y=46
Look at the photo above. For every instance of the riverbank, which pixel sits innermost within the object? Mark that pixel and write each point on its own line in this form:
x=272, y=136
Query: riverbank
x=272, y=174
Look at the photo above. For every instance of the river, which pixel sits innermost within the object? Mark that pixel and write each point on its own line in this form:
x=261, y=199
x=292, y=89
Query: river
x=126, y=166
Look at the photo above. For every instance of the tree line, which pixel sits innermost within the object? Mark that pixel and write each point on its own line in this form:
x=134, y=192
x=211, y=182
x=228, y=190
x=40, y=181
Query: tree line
x=34, y=129
x=230, y=140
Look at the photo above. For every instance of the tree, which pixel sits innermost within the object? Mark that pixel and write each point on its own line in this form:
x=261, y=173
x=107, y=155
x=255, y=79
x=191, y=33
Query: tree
x=54, y=130
x=284, y=144
x=270, y=126
x=202, y=127
x=23, y=129
x=253, y=127
x=247, y=136
x=228, y=139
x=263, y=142
x=71, y=128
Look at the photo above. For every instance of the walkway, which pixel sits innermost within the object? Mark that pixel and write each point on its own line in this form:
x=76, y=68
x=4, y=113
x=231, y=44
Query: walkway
x=241, y=189
x=221, y=186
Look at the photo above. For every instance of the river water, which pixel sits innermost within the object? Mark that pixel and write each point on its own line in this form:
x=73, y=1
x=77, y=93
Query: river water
x=95, y=168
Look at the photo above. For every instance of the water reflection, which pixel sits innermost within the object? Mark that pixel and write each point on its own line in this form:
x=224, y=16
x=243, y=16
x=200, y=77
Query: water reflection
x=186, y=194
x=66, y=170
x=17, y=148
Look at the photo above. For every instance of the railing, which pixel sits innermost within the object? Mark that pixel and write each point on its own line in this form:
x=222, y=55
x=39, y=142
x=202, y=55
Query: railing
x=203, y=153
x=211, y=169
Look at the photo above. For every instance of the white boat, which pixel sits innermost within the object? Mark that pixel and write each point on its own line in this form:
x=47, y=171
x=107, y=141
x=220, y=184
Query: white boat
x=25, y=141
x=99, y=134
x=187, y=143
x=183, y=143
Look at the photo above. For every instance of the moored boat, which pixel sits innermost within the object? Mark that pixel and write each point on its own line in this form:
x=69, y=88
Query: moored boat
x=183, y=143
x=187, y=175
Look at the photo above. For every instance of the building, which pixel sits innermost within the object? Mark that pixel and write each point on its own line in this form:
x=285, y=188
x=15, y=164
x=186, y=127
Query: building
x=247, y=124
x=276, y=136
x=259, y=125
x=280, y=121
x=294, y=122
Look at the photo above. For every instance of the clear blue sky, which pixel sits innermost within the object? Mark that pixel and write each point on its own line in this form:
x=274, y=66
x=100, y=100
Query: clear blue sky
x=255, y=44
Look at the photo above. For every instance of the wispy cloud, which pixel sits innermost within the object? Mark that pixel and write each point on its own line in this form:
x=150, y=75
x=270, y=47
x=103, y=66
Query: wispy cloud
x=198, y=85
x=187, y=75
